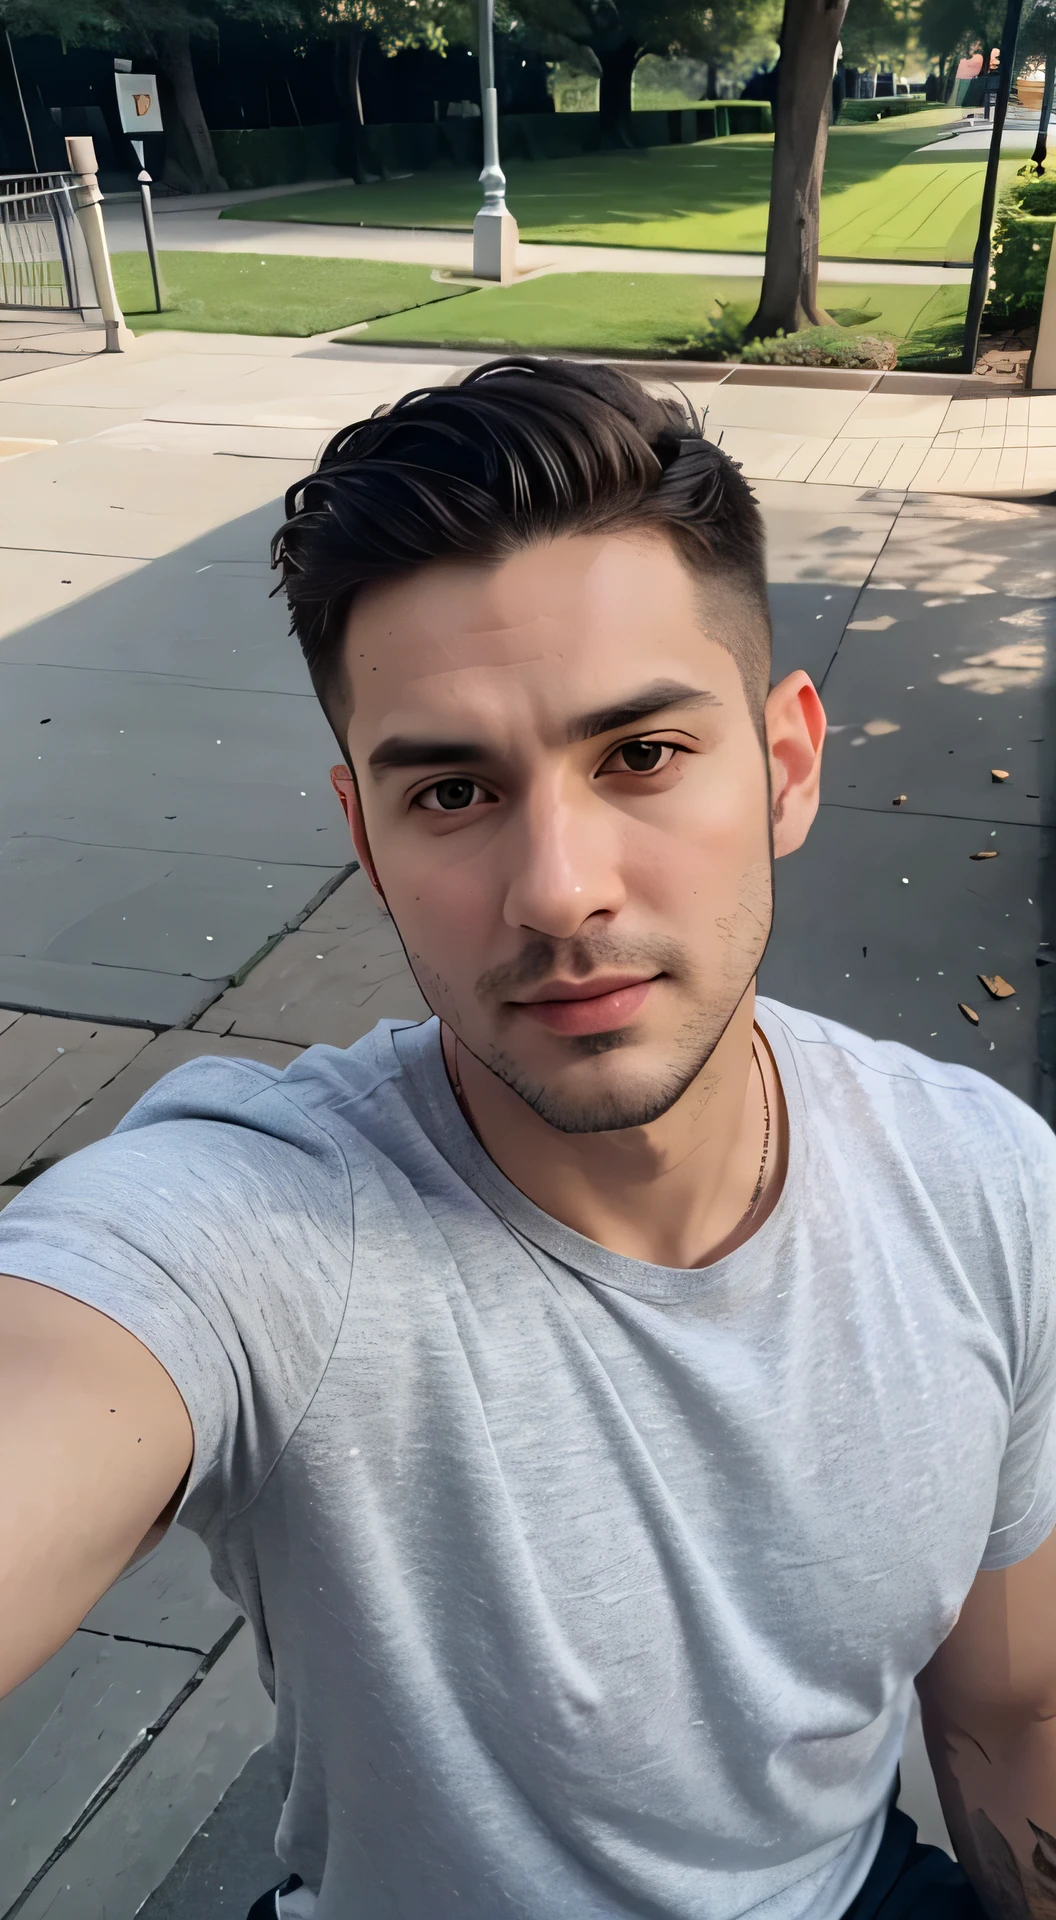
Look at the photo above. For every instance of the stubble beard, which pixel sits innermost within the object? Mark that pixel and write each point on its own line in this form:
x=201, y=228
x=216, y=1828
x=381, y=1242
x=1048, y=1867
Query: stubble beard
x=744, y=935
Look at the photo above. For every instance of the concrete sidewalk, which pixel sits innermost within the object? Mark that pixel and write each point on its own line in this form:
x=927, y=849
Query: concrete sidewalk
x=163, y=782
x=194, y=223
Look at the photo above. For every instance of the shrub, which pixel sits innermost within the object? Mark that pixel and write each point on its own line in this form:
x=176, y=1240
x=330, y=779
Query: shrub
x=821, y=347
x=890, y=107
x=1022, y=244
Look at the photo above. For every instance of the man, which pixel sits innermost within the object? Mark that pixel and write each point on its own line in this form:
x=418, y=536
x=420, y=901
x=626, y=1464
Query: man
x=605, y=1398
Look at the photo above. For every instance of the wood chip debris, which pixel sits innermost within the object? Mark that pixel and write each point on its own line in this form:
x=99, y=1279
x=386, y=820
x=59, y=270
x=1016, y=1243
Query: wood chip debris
x=997, y=774
x=969, y=1013
x=996, y=987
x=988, y=853
x=899, y=800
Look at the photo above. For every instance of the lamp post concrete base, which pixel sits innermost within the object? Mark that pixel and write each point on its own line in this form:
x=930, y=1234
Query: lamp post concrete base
x=494, y=246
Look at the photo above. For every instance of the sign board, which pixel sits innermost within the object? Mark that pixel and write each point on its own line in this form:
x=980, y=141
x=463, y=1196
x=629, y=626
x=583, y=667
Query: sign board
x=138, y=103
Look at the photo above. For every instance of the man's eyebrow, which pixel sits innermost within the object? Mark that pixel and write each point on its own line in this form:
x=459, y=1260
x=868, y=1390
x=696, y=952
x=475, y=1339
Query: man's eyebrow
x=653, y=699
x=402, y=750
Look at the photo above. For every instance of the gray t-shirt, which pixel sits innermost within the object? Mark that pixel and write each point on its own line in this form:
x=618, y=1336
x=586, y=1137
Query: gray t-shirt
x=586, y=1589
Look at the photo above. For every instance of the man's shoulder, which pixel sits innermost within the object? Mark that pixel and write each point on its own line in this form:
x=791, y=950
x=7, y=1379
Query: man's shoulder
x=916, y=1096
x=322, y=1090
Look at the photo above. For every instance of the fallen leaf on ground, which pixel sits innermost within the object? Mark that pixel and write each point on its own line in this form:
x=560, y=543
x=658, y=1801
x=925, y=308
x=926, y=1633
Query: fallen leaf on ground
x=968, y=1012
x=899, y=800
x=997, y=774
x=996, y=987
x=988, y=853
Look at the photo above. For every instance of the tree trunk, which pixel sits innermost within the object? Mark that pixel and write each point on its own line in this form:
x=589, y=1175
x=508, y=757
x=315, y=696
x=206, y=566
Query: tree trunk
x=1042, y=147
x=188, y=135
x=614, y=94
x=348, y=56
x=810, y=34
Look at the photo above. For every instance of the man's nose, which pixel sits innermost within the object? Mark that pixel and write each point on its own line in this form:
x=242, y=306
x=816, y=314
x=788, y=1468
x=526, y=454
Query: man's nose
x=564, y=864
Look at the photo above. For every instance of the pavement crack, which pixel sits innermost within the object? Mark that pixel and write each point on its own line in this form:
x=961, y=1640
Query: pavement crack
x=125, y=1766
x=137, y=1640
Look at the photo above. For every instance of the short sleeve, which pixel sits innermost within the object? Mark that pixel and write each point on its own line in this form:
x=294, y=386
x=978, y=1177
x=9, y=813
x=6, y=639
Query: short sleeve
x=215, y=1225
x=1025, y=1509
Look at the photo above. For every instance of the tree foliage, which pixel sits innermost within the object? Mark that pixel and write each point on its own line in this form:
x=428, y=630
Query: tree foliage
x=953, y=29
x=878, y=32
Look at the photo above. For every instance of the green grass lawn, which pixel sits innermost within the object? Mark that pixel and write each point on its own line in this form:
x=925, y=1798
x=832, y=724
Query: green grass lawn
x=279, y=293
x=659, y=314
x=882, y=199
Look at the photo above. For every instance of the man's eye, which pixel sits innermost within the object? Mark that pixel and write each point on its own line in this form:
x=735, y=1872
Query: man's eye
x=640, y=756
x=451, y=796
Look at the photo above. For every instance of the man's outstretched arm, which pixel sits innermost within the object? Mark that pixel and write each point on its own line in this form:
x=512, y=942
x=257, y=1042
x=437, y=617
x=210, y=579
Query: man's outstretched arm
x=988, y=1699
x=94, y=1443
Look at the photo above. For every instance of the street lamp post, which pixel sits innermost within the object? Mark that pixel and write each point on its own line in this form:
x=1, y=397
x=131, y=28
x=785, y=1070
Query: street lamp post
x=494, y=229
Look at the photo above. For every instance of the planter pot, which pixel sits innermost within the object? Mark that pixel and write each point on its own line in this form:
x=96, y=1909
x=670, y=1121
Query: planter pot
x=1029, y=90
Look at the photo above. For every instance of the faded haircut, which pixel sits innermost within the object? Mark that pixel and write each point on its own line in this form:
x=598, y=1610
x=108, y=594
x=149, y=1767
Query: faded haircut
x=520, y=452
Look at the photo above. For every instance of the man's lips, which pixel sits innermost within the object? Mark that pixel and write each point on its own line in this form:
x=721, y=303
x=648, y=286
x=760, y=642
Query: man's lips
x=588, y=1006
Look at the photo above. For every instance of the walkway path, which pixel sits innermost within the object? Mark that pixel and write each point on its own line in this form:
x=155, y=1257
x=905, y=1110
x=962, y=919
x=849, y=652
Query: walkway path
x=176, y=881
x=194, y=223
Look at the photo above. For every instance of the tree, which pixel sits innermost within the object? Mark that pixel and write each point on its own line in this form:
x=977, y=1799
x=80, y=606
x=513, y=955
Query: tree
x=613, y=35
x=877, y=33
x=159, y=32
x=1037, y=44
x=950, y=30
x=810, y=37
x=394, y=24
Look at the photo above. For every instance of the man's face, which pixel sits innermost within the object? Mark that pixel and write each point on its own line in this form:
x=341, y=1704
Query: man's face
x=565, y=802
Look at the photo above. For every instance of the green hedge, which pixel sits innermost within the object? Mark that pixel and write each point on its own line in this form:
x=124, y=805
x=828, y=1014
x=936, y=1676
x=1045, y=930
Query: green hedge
x=1022, y=244
x=280, y=156
x=885, y=109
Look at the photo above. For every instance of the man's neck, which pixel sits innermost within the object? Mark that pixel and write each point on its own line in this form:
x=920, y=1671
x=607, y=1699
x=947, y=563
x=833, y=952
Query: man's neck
x=676, y=1193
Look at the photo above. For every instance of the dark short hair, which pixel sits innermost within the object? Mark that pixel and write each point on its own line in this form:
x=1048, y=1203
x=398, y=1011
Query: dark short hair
x=520, y=451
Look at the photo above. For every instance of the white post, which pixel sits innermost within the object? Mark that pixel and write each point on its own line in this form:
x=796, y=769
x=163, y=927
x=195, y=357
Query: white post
x=1043, y=362
x=80, y=151
x=494, y=229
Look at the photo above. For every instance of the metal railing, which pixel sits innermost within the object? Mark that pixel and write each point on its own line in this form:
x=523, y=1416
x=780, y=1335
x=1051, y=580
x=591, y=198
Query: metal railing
x=39, y=243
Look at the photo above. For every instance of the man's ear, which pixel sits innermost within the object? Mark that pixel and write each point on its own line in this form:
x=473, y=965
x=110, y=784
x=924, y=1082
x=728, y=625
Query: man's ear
x=795, y=734
x=344, y=785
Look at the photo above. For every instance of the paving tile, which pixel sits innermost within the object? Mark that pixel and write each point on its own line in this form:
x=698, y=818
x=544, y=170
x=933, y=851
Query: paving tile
x=965, y=677
x=762, y=455
x=824, y=468
x=878, y=463
x=168, y=1599
x=1039, y=474
x=183, y=617
x=48, y=1069
x=895, y=416
x=89, y=497
x=1041, y=436
x=948, y=925
x=824, y=534
x=932, y=469
x=853, y=456
x=85, y=992
x=1041, y=409
x=322, y=985
x=968, y=413
x=62, y=1733
x=959, y=469
x=996, y=411
x=1010, y=469
x=38, y=586
x=121, y=759
x=286, y=442
x=808, y=624
x=806, y=456
x=139, y=1832
x=136, y=908
x=906, y=463
x=45, y=420
x=773, y=409
x=1018, y=414
x=983, y=478
x=100, y=1115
